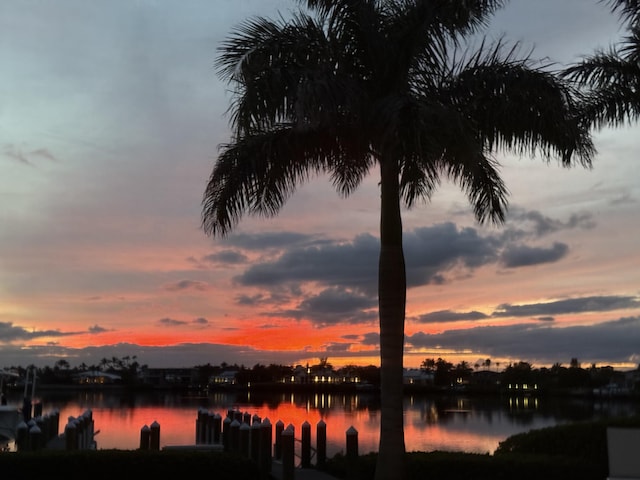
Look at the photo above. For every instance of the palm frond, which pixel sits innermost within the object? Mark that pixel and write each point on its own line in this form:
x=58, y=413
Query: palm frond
x=519, y=108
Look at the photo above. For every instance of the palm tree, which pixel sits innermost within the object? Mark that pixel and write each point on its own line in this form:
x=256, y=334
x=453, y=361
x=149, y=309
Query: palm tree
x=347, y=85
x=612, y=77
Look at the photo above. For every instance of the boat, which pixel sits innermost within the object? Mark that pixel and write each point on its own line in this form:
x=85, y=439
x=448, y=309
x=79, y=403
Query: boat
x=11, y=415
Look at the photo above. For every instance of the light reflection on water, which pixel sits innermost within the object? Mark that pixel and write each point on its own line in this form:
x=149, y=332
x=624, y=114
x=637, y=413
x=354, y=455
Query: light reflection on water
x=448, y=423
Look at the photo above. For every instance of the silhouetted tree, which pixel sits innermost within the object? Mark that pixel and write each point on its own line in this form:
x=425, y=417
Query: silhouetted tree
x=366, y=83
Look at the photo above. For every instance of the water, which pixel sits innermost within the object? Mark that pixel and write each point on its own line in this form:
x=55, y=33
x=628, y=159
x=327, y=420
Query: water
x=448, y=423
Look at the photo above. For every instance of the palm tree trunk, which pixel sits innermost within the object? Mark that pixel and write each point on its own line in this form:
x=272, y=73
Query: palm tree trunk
x=392, y=294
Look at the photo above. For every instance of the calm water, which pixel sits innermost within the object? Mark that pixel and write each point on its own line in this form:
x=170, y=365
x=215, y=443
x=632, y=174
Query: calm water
x=451, y=423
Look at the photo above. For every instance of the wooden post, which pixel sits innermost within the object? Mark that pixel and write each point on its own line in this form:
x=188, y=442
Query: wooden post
x=144, y=437
x=255, y=442
x=217, y=426
x=234, y=436
x=352, y=453
x=154, y=437
x=288, y=453
x=265, y=449
x=71, y=435
x=278, y=441
x=35, y=437
x=321, y=440
x=199, y=426
x=245, y=437
x=305, y=451
x=226, y=434
x=22, y=436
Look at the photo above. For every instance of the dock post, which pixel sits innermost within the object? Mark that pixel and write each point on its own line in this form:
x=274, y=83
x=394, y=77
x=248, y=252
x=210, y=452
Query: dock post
x=255, y=442
x=217, y=428
x=144, y=437
x=278, y=442
x=244, y=431
x=321, y=440
x=305, y=451
x=352, y=453
x=288, y=453
x=226, y=434
x=71, y=435
x=154, y=436
x=265, y=448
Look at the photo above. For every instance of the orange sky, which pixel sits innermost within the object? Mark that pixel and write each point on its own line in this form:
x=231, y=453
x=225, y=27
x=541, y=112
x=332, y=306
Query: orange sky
x=111, y=119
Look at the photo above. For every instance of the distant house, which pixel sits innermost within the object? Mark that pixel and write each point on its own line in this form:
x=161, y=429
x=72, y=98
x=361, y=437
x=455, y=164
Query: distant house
x=96, y=377
x=225, y=378
x=415, y=376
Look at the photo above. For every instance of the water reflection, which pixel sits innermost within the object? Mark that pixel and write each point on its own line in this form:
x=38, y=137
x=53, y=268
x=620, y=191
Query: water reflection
x=449, y=423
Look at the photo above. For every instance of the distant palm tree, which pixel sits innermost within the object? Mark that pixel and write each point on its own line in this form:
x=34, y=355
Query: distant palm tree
x=351, y=84
x=612, y=76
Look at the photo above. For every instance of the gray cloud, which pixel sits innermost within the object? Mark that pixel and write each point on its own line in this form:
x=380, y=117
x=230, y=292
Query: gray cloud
x=338, y=305
x=10, y=333
x=97, y=329
x=352, y=265
x=525, y=256
x=542, y=343
x=186, y=285
x=171, y=322
x=537, y=224
x=443, y=316
x=570, y=305
x=231, y=257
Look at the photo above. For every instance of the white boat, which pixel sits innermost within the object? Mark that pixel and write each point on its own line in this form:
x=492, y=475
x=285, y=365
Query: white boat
x=10, y=415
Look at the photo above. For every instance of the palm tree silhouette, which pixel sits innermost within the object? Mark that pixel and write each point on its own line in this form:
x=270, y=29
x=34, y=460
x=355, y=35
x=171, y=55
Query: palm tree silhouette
x=348, y=85
x=612, y=77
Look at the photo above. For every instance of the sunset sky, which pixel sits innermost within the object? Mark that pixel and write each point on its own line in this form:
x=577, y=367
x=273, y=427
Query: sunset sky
x=111, y=115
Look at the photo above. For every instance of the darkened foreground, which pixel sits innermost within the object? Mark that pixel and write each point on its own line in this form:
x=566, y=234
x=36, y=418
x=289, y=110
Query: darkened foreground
x=575, y=451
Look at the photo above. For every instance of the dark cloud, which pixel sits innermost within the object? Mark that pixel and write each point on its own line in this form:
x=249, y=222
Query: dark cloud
x=539, y=225
x=350, y=264
x=11, y=333
x=231, y=257
x=186, y=285
x=171, y=322
x=450, y=316
x=524, y=256
x=338, y=305
x=260, y=299
x=201, y=321
x=371, y=338
x=542, y=343
x=338, y=347
x=97, y=329
x=570, y=305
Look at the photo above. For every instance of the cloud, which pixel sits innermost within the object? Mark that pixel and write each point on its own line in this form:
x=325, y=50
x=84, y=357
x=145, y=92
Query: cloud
x=350, y=265
x=186, y=285
x=450, y=316
x=337, y=305
x=542, y=343
x=534, y=222
x=171, y=322
x=97, y=329
x=231, y=257
x=525, y=256
x=570, y=305
x=10, y=333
